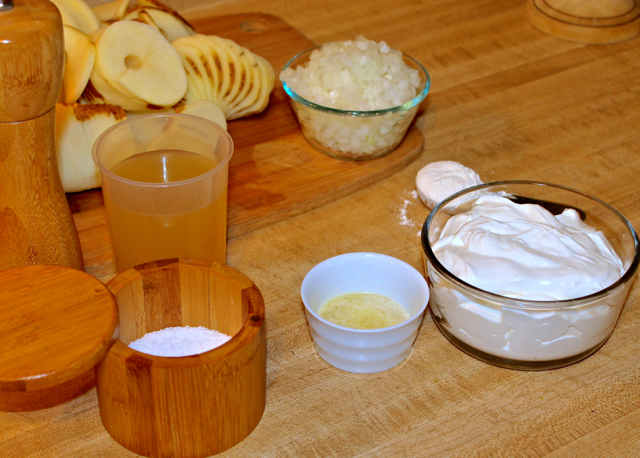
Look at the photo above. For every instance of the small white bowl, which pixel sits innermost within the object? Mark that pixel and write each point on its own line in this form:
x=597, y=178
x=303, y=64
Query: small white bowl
x=364, y=350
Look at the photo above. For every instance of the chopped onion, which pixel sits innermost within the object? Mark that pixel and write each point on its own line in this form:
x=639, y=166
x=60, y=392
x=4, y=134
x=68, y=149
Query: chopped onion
x=355, y=75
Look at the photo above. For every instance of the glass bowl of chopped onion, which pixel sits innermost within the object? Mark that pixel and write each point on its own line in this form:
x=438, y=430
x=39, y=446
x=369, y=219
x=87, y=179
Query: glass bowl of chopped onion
x=355, y=100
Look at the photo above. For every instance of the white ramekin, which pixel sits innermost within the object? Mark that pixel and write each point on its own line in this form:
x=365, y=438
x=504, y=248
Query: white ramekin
x=364, y=350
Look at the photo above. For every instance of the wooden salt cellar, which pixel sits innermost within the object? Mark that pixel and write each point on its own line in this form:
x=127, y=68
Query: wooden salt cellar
x=192, y=406
x=36, y=225
x=57, y=323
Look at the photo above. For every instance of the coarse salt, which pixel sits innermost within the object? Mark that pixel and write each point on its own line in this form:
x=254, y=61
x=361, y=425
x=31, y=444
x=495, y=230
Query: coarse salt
x=179, y=341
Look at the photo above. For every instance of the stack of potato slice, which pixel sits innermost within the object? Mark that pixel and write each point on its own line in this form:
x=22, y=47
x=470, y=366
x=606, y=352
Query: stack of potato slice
x=141, y=56
x=230, y=76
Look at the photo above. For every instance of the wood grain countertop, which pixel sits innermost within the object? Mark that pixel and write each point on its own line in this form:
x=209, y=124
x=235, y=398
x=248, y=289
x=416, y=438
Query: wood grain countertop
x=507, y=101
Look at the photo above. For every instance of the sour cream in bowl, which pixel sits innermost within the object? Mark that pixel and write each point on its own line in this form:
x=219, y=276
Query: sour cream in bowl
x=528, y=275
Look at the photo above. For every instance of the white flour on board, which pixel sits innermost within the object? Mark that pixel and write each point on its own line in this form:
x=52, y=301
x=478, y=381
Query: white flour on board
x=404, y=219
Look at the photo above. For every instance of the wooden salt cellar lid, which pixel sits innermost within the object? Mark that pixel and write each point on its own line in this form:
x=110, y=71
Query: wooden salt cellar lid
x=586, y=21
x=55, y=324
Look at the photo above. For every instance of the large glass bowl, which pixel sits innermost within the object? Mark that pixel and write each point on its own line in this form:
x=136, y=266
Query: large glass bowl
x=355, y=135
x=525, y=334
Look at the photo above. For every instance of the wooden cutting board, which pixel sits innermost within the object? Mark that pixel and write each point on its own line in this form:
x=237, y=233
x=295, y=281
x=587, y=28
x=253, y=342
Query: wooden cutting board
x=274, y=174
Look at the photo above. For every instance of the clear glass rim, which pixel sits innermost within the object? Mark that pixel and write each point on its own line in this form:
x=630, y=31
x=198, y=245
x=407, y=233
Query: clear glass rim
x=404, y=107
x=519, y=303
x=121, y=124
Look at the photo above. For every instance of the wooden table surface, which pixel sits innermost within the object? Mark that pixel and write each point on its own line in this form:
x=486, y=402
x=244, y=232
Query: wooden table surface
x=510, y=103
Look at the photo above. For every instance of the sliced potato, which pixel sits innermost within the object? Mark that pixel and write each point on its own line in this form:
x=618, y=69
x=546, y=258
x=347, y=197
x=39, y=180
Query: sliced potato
x=205, y=109
x=253, y=84
x=83, y=17
x=202, y=81
x=80, y=55
x=217, y=63
x=67, y=19
x=266, y=78
x=170, y=26
x=146, y=18
x=161, y=6
x=245, y=75
x=137, y=68
x=224, y=73
x=237, y=73
x=112, y=11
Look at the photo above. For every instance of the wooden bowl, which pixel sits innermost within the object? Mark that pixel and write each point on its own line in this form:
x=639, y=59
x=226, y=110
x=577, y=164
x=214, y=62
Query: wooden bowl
x=192, y=406
x=586, y=21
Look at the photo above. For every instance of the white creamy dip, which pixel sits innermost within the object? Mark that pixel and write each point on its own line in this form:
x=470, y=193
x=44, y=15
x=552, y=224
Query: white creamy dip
x=523, y=251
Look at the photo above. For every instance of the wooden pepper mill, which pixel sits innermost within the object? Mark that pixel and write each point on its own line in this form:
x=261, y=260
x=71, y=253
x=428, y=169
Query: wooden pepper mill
x=36, y=225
